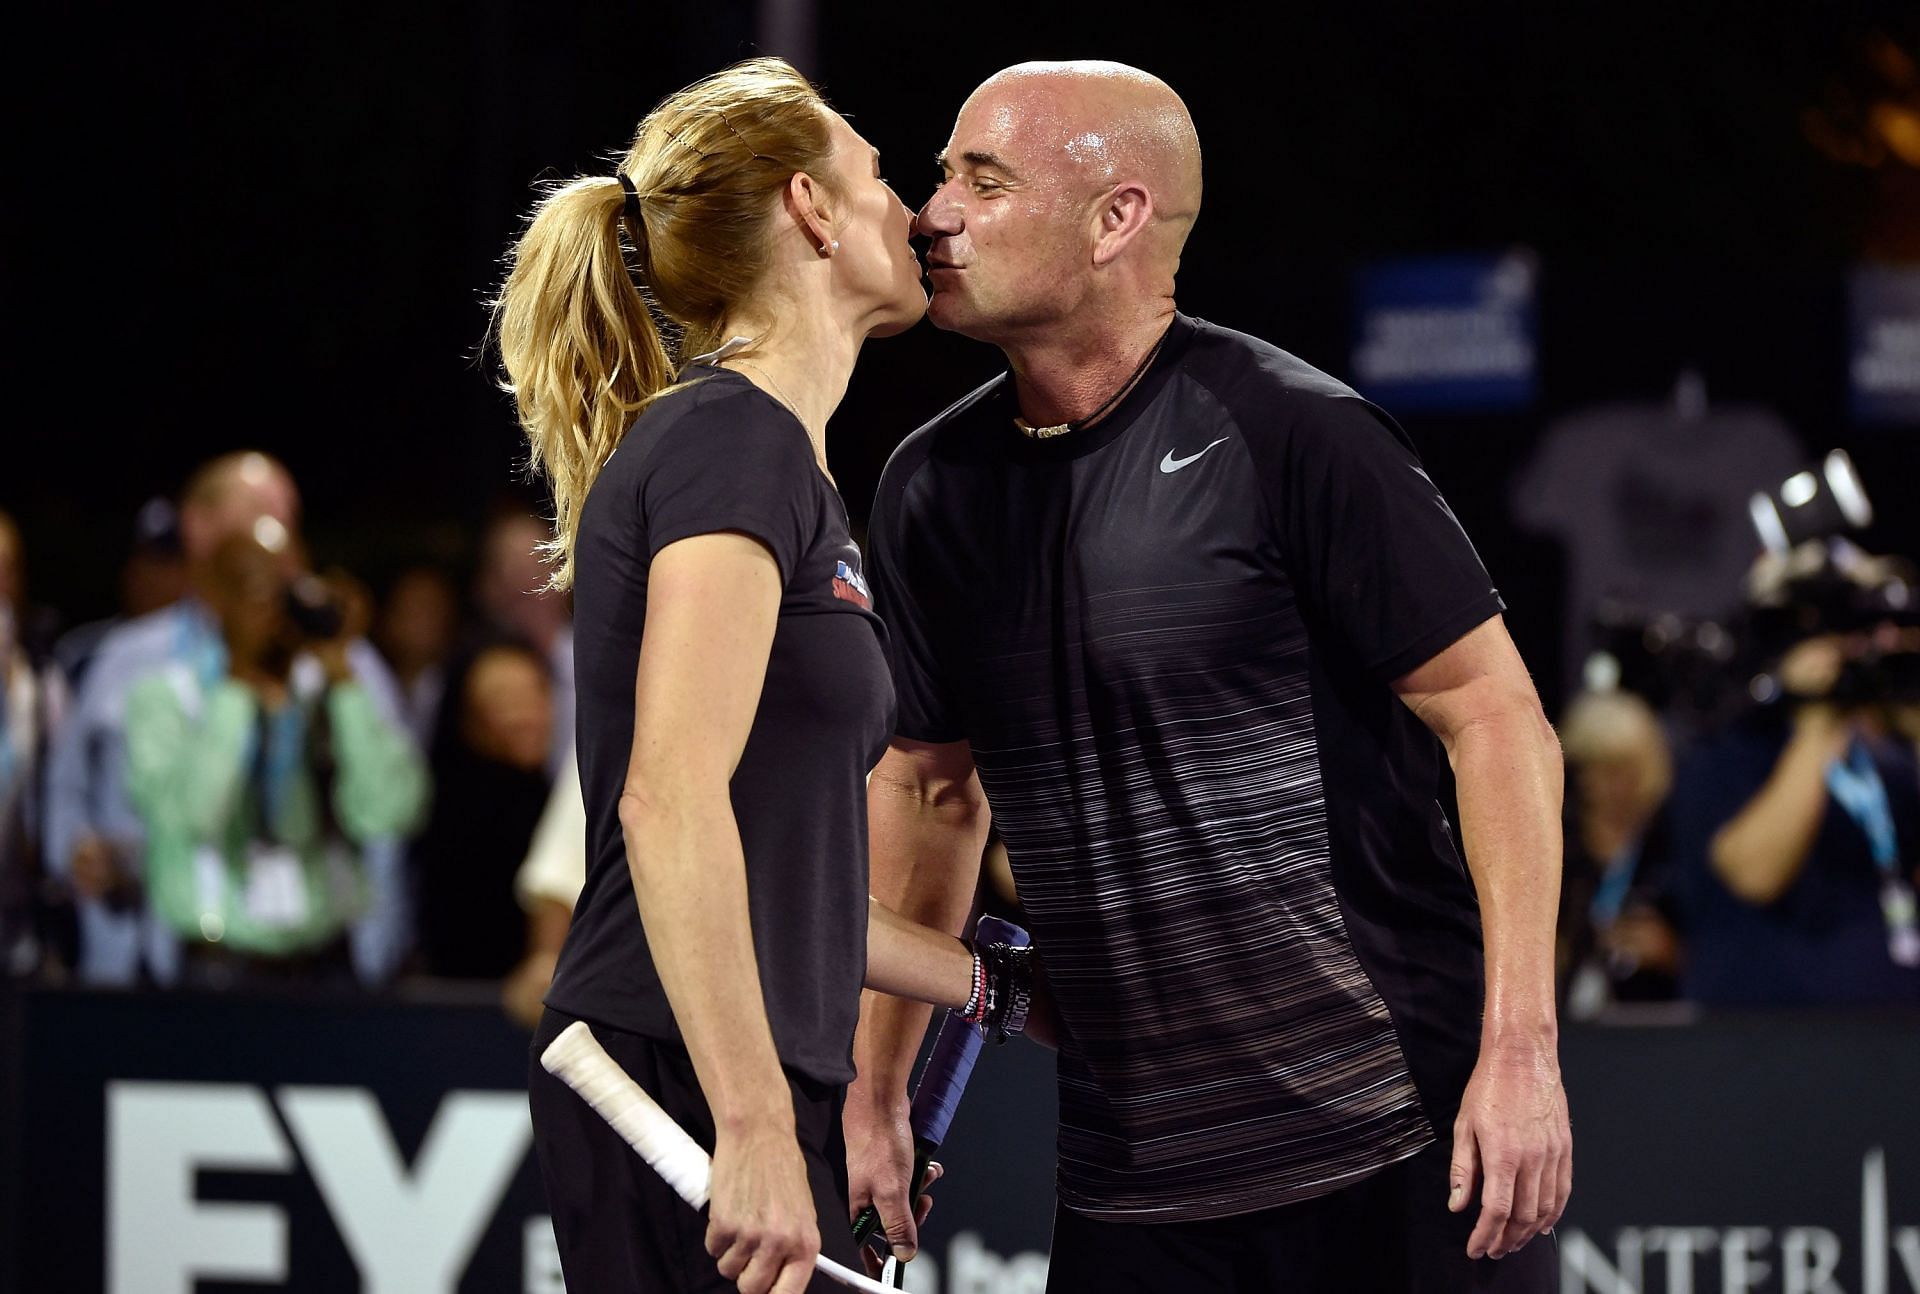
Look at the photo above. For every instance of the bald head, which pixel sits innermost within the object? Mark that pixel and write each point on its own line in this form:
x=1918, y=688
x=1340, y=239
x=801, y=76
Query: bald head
x=1068, y=194
x=232, y=495
x=1110, y=122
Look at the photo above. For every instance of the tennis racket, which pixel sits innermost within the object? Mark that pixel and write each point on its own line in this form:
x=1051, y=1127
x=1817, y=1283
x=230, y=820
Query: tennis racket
x=937, y=1095
x=577, y=1059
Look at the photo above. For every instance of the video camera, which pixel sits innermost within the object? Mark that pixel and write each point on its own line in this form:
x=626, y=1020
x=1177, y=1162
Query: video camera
x=1810, y=580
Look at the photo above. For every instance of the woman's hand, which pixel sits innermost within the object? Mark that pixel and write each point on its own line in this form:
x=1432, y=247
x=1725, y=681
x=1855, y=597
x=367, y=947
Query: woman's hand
x=761, y=1223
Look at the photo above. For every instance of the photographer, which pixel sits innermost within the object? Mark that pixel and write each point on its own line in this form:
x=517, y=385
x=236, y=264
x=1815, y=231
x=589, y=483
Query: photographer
x=1798, y=828
x=1618, y=938
x=95, y=841
x=260, y=784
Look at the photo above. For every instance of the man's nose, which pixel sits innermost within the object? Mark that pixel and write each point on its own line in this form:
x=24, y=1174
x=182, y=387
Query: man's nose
x=941, y=215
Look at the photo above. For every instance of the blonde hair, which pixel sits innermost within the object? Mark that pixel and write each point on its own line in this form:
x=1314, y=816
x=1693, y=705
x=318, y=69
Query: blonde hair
x=1612, y=727
x=578, y=340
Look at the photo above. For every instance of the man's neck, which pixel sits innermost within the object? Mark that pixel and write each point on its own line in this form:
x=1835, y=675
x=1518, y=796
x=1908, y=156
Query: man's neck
x=1065, y=379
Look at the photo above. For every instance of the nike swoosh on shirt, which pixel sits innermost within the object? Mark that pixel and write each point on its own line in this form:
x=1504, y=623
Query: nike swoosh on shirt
x=1172, y=464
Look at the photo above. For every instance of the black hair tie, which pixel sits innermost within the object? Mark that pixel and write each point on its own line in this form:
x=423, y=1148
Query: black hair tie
x=633, y=196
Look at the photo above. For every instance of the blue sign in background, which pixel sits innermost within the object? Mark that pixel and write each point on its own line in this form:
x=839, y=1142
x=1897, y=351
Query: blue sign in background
x=1883, y=351
x=1447, y=332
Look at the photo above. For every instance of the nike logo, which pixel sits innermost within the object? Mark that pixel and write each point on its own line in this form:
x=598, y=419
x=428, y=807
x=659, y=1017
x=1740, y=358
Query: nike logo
x=1172, y=464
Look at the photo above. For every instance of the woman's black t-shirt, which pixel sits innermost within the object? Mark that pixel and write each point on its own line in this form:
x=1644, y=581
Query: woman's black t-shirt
x=721, y=455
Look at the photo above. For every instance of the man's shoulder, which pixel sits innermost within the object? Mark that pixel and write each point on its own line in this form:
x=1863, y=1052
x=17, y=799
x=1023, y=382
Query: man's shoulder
x=1256, y=379
x=133, y=646
x=1279, y=403
x=128, y=652
x=152, y=633
x=953, y=428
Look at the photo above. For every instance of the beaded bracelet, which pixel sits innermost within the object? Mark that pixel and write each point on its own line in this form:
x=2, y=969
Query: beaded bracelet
x=977, y=1005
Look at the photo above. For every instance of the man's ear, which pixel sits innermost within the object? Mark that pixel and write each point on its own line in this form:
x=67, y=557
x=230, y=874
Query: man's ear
x=1120, y=218
x=807, y=202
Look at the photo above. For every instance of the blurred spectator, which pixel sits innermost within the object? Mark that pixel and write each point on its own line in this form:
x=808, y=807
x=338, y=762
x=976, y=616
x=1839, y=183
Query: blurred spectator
x=261, y=785
x=1617, y=928
x=31, y=699
x=510, y=590
x=93, y=835
x=1797, y=830
x=548, y=884
x=153, y=576
x=416, y=634
x=489, y=760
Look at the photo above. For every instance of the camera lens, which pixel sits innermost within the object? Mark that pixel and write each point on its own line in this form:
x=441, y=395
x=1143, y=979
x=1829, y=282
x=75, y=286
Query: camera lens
x=312, y=608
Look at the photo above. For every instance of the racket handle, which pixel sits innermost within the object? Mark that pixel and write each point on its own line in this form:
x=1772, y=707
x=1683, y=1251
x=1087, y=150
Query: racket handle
x=867, y=1225
x=955, y=1049
x=994, y=930
x=949, y=1066
x=577, y=1059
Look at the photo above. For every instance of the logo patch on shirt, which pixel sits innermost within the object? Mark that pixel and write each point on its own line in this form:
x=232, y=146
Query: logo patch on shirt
x=850, y=586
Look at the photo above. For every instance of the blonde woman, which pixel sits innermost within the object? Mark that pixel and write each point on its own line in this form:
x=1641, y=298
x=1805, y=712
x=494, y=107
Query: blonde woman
x=721, y=940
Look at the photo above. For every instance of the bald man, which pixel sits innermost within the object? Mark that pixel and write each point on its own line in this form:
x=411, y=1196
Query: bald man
x=94, y=837
x=1189, y=616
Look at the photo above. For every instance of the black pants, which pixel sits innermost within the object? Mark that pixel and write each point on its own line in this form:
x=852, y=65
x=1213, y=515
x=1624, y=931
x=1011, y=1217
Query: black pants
x=621, y=1230
x=1390, y=1234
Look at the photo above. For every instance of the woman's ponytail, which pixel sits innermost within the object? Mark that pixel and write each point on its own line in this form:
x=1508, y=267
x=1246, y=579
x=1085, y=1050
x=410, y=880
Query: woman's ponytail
x=580, y=348
x=696, y=194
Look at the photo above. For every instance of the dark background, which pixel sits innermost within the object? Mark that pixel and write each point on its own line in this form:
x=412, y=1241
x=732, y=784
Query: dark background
x=275, y=226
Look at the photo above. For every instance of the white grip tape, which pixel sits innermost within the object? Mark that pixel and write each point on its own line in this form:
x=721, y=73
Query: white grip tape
x=577, y=1059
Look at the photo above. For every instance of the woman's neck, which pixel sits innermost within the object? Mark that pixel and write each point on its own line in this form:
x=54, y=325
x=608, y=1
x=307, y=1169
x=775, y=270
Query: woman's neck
x=801, y=357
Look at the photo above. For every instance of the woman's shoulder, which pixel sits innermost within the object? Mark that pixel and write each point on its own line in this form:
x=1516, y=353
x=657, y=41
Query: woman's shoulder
x=713, y=416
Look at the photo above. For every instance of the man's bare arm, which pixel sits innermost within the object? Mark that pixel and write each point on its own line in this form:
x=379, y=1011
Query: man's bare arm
x=927, y=823
x=1512, y=1129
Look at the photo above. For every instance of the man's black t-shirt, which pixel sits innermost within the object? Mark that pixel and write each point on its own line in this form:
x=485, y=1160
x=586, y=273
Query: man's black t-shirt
x=1168, y=640
x=723, y=456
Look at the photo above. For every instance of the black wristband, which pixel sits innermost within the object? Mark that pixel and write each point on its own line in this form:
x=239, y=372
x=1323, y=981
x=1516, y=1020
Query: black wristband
x=1009, y=989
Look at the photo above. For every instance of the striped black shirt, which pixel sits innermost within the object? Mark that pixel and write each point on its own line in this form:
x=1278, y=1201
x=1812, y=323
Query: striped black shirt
x=1168, y=640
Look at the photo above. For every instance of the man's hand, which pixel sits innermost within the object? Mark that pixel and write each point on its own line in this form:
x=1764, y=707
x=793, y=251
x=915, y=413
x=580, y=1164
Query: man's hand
x=1811, y=668
x=355, y=602
x=879, y=1164
x=922, y=1206
x=1512, y=1139
x=760, y=1223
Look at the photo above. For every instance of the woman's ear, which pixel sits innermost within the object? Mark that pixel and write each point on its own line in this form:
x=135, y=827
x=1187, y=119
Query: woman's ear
x=806, y=201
